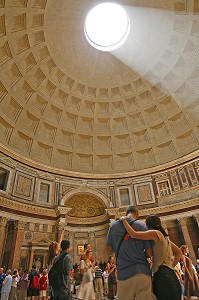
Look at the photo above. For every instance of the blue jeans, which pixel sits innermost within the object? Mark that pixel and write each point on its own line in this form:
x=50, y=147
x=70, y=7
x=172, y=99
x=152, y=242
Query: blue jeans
x=61, y=294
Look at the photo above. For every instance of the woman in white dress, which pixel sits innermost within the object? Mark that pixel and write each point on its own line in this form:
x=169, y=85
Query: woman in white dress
x=86, y=289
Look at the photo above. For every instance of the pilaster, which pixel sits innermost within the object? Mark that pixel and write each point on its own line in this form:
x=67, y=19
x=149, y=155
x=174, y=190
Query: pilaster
x=188, y=242
x=17, y=244
x=30, y=257
x=3, y=231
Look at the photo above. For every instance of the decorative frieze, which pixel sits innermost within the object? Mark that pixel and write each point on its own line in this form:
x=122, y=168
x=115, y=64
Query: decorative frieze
x=87, y=220
x=175, y=181
x=183, y=177
x=192, y=174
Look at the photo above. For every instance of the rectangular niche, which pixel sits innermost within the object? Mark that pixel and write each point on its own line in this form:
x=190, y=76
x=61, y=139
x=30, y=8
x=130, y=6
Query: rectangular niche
x=4, y=175
x=124, y=196
x=44, y=192
x=24, y=186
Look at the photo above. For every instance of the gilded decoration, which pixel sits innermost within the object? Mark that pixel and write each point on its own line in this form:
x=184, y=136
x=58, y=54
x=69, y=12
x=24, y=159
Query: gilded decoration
x=84, y=206
x=87, y=220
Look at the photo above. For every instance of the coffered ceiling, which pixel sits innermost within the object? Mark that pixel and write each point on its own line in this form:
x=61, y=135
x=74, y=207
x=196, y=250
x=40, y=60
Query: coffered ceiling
x=72, y=107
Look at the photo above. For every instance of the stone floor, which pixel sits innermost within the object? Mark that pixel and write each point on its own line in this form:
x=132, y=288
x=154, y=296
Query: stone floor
x=105, y=298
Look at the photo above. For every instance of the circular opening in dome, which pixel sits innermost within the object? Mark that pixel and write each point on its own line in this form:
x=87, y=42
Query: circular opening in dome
x=107, y=26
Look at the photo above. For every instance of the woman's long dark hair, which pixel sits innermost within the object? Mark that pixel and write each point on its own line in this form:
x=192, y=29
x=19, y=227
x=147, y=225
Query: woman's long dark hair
x=154, y=222
x=52, y=252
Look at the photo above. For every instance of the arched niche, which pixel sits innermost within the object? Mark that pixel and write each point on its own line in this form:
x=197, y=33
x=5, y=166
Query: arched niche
x=85, y=203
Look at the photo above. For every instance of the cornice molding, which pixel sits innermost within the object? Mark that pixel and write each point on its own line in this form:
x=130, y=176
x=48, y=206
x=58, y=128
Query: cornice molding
x=53, y=213
x=170, y=208
x=25, y=207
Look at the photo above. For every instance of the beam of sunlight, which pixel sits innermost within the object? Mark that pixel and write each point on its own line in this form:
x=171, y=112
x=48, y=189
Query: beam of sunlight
x=163, y=47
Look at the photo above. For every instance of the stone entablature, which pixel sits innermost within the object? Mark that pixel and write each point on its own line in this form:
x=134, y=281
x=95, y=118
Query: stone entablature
x=37, y=188
x=37, y=214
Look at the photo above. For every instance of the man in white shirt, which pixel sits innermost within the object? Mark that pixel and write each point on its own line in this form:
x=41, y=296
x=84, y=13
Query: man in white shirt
x=6, y=286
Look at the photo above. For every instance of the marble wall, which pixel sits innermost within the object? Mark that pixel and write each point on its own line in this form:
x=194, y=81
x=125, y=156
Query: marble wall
x=85, y=208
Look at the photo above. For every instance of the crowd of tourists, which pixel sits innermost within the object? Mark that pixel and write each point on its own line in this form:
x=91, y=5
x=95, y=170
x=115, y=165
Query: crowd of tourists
x=143, y=264
x=22, y=285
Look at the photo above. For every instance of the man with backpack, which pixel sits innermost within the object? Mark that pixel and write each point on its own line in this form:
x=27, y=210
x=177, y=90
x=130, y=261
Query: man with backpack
x=59, y=275
x=33, y=283
x=134, y=274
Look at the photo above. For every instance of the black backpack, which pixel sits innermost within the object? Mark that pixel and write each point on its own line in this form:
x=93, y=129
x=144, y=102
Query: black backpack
x=55, y=275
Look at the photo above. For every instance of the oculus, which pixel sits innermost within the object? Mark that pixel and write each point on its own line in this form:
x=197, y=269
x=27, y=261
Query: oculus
x=107, y=26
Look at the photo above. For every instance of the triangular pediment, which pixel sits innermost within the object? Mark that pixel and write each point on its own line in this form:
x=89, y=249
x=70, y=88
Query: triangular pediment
x=44, y=241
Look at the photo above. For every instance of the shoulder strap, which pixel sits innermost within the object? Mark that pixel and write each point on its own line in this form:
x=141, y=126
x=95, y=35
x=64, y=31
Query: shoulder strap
x=121, y=240
x=61, y=258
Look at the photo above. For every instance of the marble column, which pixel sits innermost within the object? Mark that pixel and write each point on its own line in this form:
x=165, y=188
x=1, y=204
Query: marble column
x=91, y=235
x=188, y=242
x=61, y=212
x=31, y=258
x=17, y=244
x=3, y=234
x=71, y=239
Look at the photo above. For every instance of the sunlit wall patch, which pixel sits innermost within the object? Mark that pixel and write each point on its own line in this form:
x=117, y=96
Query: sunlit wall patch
x=107, y=26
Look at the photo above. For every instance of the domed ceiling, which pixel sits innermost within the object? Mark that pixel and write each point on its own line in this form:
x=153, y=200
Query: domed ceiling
x=67, y=105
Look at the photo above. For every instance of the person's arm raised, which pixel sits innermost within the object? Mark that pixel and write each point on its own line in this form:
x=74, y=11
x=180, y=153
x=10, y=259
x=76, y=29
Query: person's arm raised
x=176, y=253
x=61, y=236
x=141, y=235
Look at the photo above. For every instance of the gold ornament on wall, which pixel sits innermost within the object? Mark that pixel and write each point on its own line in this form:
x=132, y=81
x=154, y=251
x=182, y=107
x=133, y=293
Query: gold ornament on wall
x=84, y=206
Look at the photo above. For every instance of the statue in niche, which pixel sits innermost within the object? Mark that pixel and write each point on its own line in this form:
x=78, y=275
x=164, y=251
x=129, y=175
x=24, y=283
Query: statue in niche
x=37, y=261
